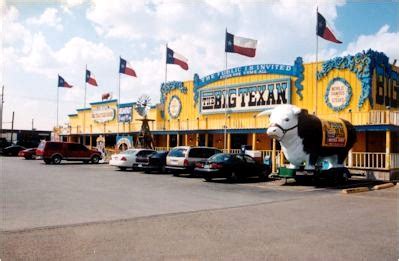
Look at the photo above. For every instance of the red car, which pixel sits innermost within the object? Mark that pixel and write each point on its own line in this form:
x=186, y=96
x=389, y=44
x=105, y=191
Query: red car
x=55, y=152
x=28, y=153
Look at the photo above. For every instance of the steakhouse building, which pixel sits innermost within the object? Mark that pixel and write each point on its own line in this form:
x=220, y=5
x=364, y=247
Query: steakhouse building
x=361, y=88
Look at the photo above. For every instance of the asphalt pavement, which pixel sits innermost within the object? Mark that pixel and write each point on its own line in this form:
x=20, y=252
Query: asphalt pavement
x=94, y=212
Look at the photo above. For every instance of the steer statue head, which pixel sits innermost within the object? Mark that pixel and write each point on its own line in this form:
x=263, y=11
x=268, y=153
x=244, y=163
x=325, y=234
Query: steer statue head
x=283, y=120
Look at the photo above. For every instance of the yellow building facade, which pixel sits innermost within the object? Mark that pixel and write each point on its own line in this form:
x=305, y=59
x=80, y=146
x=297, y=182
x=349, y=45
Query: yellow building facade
x=221, y=109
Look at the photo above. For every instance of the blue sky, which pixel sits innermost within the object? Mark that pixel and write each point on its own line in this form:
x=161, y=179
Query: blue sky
x=42, y=39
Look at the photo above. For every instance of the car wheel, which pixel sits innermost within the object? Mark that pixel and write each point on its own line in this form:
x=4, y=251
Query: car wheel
x=95, y=159
x=207, y=178
x=47, y=161
x=176, y=174
x=163, y=170
x=263, y=175
x=122, y=168
x=56, y=159
x=233, y=177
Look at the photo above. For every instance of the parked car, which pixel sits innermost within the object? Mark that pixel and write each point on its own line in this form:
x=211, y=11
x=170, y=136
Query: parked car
x=155, y=162
x=12, y=150
x=127, y=158
x=183, y=158
x=231, y=166
x=55, y=152
x=4, y=143
x=28, y=153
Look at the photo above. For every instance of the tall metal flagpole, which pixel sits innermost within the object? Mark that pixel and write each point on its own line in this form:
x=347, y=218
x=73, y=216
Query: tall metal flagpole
x=166, y=78
x=317, y=62
x=84, y=106
x=58, y=97
x=119, y=97
x=225, y=101
x=166, y=65
x=1, y=108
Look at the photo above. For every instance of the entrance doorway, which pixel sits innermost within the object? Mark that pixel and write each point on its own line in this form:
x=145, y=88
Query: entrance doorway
x=238, y=139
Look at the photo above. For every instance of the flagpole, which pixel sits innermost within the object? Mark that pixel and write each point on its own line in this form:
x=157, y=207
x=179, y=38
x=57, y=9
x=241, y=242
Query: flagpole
x=317, y=61
x=166, y=78
x=119, y=97
x=58, y=97
x=225, y=100
x=84, y=106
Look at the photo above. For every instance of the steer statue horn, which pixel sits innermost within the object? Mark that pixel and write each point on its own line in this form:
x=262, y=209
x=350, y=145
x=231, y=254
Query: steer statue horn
x=305, y=138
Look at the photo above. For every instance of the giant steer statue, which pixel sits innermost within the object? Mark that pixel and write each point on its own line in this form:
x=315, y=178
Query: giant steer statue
x=307, y=139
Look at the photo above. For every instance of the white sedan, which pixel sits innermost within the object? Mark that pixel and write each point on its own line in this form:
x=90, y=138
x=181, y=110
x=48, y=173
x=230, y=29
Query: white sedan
x=127, y=158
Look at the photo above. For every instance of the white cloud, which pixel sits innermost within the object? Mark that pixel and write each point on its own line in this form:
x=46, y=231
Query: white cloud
x=30, y=65
x=12, y=32
x=382, y=41
x=73, y=3
x=196, y=30
x=50, y=17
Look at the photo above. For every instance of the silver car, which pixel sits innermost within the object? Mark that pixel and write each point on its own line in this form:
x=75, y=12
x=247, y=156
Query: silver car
x=127, y=158
x=183, y=158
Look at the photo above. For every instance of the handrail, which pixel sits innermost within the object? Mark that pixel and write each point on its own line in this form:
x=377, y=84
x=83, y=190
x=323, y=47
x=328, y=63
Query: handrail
x=368, y=160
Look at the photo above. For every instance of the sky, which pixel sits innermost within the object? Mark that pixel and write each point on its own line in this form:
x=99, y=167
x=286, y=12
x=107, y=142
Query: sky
x=41, y=39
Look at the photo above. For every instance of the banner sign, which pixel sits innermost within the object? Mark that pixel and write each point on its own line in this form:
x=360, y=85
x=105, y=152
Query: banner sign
x=335, y=133
x=125, y=114
x=242, y=98
x=102, y=114
x=295, y=70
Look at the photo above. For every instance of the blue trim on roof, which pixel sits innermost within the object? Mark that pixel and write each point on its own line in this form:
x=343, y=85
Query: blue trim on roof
x=72, y=115
x=103, y=102
x=377, y=128
x=128, y=104
x=83, y=109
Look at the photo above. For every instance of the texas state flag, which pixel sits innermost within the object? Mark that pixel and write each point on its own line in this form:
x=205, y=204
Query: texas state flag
x=175, y=58
x=323, y=31
x=125, y=68
x=90, y=78
x=240, y=45
x=63, y=83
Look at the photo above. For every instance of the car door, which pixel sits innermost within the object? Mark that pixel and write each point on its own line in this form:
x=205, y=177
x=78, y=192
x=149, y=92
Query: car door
x=250, y=165
x=239, y=164
x=74, y=151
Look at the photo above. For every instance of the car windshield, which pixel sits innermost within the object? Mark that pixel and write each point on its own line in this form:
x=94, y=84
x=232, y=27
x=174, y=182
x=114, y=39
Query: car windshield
x=180, y=152
x=220, y=157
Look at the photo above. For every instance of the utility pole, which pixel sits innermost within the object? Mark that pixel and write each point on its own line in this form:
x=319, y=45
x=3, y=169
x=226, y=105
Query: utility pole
x=1, y=110
x=12, y=128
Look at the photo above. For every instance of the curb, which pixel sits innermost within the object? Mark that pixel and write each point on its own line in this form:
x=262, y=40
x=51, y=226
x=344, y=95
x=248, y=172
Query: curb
x=355, y=190
x=383, y=186
x=365, y=189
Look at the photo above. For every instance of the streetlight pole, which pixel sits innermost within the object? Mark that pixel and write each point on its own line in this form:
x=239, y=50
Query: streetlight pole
x=12, y=128
x=1, y=109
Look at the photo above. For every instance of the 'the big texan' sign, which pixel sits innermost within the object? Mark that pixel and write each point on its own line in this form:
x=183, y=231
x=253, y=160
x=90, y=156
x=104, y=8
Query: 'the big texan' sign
x=247, y=97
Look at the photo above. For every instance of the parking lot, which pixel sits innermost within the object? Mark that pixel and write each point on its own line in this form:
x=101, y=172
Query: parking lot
x=91, y=212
